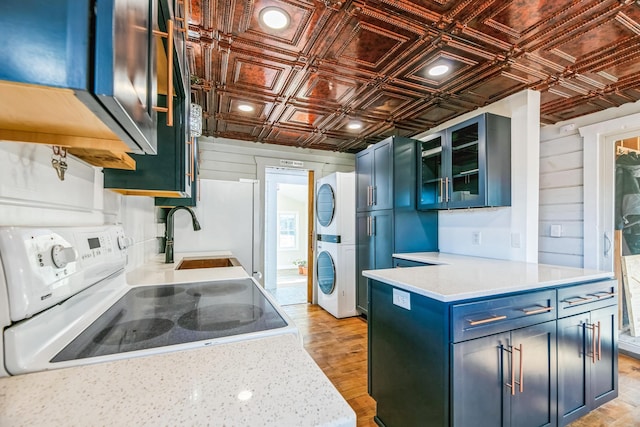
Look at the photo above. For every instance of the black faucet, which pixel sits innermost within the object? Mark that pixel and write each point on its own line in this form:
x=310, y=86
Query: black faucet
x=168, y=234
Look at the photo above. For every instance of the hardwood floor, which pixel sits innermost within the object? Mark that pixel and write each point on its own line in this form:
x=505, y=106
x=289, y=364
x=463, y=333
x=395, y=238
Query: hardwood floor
x=339, y=347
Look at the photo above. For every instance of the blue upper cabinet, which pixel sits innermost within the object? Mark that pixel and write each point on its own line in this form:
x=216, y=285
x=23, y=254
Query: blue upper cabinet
x=374, y=190
x=467, y=165
x=79, y=73
x=171, y=173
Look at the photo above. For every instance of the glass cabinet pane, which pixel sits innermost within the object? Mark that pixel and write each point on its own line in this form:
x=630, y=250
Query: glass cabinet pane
x=431, y=179
x=464, y=163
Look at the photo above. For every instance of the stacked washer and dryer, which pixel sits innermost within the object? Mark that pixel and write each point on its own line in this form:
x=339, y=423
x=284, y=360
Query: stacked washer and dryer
x=336, y=244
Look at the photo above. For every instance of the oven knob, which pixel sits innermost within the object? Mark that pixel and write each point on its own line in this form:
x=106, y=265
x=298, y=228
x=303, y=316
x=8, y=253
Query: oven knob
x=124, y=242
x=62, y=256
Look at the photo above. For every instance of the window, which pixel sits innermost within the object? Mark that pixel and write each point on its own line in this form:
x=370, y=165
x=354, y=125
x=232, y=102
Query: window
x=288, y=230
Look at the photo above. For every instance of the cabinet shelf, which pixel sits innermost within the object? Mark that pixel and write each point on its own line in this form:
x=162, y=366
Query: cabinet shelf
x=466, y=173
x=429, y=181
x=431, y=152
x=463, y=146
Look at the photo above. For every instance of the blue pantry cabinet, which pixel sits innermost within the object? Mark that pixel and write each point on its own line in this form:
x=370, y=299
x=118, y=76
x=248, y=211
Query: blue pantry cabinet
x=387, y=220
x=374, y=179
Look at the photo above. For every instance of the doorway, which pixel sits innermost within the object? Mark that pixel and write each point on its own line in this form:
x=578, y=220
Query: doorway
x=288, y=231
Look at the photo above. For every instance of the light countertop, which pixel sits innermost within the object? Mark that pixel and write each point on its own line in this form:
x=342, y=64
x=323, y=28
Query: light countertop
x=200, y=386
x=156, y=271
x=282, y=384
x=452, y=277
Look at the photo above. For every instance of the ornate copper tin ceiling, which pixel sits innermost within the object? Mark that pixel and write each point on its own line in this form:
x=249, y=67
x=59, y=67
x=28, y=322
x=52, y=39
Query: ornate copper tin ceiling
x=367, y=60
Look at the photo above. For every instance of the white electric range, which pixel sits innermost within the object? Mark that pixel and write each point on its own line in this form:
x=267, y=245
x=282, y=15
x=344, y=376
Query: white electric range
x=65, y=301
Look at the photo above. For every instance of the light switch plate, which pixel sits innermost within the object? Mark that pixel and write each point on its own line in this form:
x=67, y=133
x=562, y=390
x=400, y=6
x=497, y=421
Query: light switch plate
x=555, y=230
x=402, y=299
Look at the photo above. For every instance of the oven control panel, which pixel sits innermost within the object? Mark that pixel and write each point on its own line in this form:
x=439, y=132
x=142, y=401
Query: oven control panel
x=44, y=266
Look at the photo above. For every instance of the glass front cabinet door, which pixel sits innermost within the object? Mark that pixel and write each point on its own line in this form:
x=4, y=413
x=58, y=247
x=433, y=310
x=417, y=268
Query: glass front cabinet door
x=467, y=165
x=432, y=178
x=465, y=183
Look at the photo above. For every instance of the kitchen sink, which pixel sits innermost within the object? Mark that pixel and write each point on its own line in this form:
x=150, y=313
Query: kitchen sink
x=207, y=262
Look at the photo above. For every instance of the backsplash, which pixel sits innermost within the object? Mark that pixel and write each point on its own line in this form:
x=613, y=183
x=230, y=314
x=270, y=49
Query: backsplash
x=32, y=195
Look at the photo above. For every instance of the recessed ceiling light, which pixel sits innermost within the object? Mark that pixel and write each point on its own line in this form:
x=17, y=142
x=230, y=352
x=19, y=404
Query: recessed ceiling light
x=274, y=17
x=245, y=107
x=354, y=125
x=438, y=70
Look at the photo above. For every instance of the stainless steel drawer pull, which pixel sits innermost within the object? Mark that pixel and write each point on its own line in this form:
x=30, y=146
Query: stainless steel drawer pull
x=487, y=320
x=537, y=310
x=603, y=294
x=577, y=300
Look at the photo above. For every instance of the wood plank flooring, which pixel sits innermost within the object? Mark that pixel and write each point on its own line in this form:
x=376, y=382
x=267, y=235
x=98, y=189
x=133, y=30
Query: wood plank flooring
x=339, y=347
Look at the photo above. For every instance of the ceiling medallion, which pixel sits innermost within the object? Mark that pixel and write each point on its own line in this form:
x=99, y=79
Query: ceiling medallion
x=274, y=18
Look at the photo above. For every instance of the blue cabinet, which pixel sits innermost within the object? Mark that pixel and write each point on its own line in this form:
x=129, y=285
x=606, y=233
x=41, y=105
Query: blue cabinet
x=88, y=69
x=374, y=179
x=408, y=360
x=538, y=358
x=193, y=176
x=587, y=350
x=524, y=360
x=387, y=220
x=403, y=263
x=170, y=173
x=467, y=165
x=374, y=234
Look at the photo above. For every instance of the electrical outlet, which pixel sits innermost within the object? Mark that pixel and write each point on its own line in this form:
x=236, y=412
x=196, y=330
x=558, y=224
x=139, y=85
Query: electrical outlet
x=402, y=299
x=476, y=238
x=555, y=230
x=515, y=240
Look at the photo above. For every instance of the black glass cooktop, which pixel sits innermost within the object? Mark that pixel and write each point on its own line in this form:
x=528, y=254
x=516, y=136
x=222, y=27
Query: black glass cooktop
x=158, y=316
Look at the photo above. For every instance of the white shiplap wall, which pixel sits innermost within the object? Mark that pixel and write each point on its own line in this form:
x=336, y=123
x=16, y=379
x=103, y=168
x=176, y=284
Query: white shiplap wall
x=561, y=201
x=562, y=190
x=231, y=160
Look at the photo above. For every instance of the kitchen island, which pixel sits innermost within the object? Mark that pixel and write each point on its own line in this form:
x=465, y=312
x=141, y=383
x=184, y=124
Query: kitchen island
x=468, y=341
x=266, y=380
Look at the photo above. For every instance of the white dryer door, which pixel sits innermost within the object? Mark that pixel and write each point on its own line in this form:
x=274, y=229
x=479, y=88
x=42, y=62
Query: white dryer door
x=326, y=273
x=325, y=205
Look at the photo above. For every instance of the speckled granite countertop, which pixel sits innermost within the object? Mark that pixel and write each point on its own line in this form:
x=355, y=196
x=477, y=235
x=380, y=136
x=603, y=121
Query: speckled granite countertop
x=452, y=277
x=263, y=382
x=270, y=381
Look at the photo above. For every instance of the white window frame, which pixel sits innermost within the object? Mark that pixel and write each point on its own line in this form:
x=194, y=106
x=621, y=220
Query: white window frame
x=296, y=230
